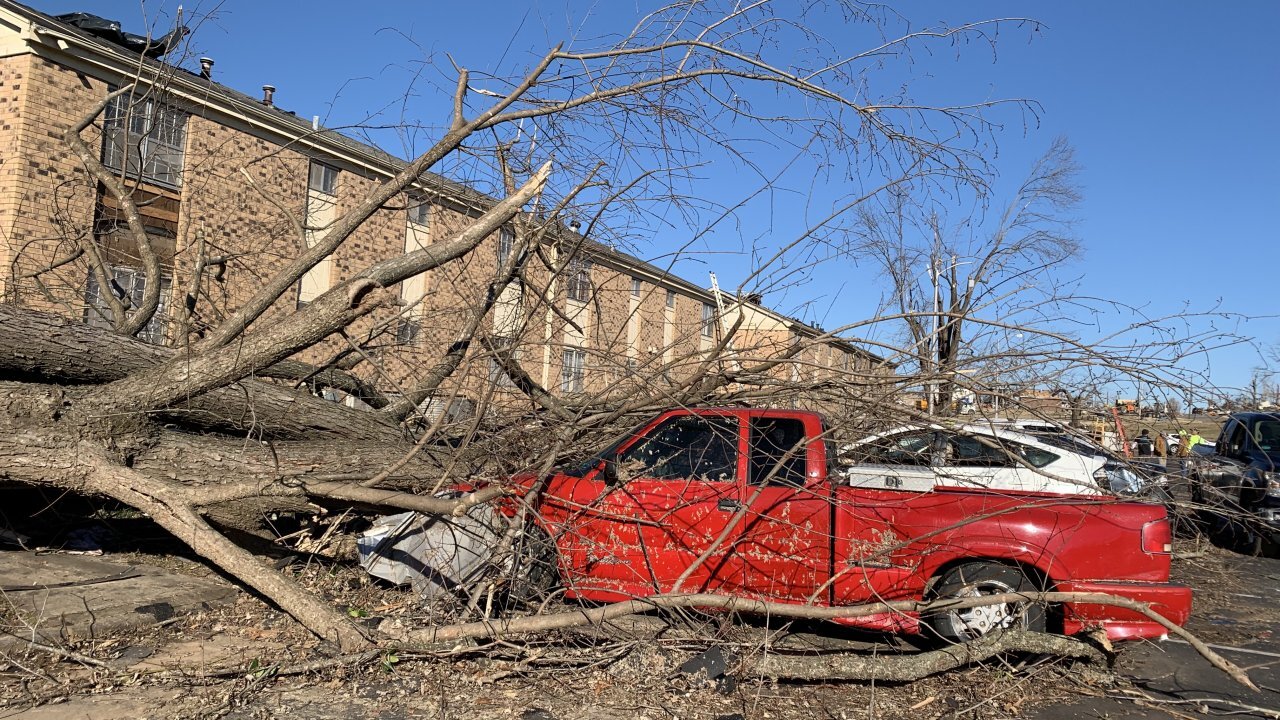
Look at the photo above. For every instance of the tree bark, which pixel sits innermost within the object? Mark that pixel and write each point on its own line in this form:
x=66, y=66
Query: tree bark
x=914, y=666
x=45, y=347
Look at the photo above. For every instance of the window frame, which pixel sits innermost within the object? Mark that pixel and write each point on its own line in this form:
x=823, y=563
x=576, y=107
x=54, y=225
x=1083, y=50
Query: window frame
x=578, y=280
x=890, y=450
x=418, y=211
x=506, y=244
x=1003, y=454
x=408, y=331
x=767, y=450
x=722, y=431
x=573, y=371
x=328, y=178
x=98, y=314
x=498, y=377
x=146, y=138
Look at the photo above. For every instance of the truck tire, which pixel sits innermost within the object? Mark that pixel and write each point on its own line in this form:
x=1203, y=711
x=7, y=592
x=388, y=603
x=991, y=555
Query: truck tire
x=976, y=579
x=535, y=569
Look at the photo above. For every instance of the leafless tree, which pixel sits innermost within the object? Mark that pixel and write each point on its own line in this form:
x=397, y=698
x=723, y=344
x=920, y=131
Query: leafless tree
x=101, y=412
x=941, y=276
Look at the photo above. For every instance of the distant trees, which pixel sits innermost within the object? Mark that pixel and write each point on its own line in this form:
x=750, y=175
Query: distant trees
x=968, y=292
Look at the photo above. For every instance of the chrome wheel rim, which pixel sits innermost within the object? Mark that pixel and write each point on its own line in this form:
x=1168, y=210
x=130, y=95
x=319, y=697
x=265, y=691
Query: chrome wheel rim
x=978, y=621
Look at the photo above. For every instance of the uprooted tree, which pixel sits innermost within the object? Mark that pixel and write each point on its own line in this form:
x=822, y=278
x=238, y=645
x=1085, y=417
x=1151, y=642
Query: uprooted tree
x=226, y=412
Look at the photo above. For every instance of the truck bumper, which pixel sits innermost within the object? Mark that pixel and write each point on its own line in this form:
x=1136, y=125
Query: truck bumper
x=1170, y=600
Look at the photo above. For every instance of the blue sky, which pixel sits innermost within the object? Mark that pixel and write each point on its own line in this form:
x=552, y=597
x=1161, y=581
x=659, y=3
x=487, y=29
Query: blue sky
x=1172, y=109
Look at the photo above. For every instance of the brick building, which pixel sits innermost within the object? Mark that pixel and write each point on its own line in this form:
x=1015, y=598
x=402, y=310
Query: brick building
x=230, y=188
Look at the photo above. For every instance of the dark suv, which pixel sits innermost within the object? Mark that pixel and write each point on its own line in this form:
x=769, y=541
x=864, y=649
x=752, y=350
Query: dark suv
x=1242, y=475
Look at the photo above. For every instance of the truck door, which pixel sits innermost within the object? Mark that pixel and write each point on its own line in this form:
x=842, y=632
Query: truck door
x=665, y=508
x=1222, y=477
x=782, y=542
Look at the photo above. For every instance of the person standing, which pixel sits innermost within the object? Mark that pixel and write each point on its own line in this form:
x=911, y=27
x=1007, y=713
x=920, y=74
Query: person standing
x=1184, y=453
x=1143, y=445
x=1195, y=440
x=1162, y=448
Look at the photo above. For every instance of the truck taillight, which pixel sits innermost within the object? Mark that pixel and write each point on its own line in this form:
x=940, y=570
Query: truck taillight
x=1157, y=537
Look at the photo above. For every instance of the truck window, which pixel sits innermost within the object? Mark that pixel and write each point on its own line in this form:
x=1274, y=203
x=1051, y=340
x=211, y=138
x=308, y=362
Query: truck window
x=689, y=446
x=1235, y=444
x=1267, y=435
x=779, y=451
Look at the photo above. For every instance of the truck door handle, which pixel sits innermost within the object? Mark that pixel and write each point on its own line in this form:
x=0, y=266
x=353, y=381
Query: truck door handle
x=729, y=505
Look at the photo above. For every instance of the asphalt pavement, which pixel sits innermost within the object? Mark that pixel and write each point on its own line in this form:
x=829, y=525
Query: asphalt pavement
x=1237, y=612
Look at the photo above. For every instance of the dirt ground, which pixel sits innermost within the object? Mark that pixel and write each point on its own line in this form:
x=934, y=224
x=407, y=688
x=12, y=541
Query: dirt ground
x=245, y=660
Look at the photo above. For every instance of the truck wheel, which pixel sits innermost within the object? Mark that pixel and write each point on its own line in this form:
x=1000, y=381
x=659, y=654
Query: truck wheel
x=535, y=570
x=976, y=580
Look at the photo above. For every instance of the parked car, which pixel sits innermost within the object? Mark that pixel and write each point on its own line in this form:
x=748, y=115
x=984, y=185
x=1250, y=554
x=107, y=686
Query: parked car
x=1238, y=479
x=750, y=503
x=1020, y=456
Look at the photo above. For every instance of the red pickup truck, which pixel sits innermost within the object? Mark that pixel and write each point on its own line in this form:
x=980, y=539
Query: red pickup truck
x=753, y=493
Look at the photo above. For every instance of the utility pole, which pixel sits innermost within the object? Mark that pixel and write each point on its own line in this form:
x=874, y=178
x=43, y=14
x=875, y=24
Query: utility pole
x=935, y=362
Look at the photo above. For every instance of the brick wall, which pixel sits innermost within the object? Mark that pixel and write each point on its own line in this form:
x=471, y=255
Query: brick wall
x=45, y=195
x=45, y=198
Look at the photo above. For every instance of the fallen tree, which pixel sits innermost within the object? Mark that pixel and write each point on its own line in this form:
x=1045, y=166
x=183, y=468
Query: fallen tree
x=228, y=412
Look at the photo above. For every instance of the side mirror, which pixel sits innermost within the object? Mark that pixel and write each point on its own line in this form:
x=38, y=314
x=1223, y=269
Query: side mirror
x=609, y=471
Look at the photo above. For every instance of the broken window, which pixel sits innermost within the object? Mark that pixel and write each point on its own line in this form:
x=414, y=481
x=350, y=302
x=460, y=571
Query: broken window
x=779, y=451
x=912, y=448
x=969, y=451
x=144, y=138
x=691, y=446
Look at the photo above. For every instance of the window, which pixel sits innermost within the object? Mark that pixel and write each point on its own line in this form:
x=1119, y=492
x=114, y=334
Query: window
x=419, y=209
x=407, y=331
x=708, y=319
x=571, y=375
x=144, y=138
x=323, y=178
x=636, y=286
x=703, y=448
x=671, y=299
x=579, y=288
x=1236, y=443
x=497, y=374
x=506, y=241
x=912, y=448
x=322, y=208
x=1266, y=435
x=968, y=451
x=128, y=284
x=779, y=451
